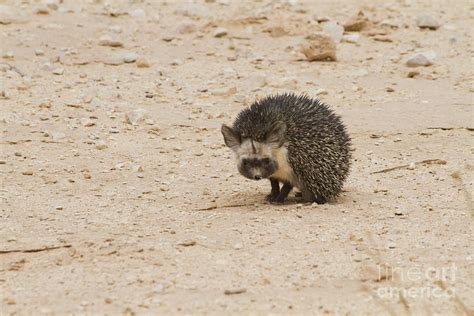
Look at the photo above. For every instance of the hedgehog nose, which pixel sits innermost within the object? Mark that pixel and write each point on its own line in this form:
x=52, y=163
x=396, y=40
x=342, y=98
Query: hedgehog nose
x=258, y=177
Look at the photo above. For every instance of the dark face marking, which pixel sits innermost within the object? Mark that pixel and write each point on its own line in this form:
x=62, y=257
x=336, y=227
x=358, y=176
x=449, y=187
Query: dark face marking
x=257, y=168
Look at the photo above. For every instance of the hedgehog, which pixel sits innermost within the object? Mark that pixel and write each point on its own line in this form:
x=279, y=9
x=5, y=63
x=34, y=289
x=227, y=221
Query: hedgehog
x=292, y=140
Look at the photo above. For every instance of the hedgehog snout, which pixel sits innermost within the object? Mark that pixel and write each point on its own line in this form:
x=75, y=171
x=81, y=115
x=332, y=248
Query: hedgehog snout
x=257, y=168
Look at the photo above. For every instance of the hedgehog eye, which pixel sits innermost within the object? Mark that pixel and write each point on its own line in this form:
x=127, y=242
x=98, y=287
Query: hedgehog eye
x=266, y=161
x=245, y=162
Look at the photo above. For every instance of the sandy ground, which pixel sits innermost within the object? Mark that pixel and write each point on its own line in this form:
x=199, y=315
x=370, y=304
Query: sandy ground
x=100, y=216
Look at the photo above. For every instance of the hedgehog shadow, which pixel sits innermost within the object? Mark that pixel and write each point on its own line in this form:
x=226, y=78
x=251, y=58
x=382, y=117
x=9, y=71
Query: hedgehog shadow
x=257, y=198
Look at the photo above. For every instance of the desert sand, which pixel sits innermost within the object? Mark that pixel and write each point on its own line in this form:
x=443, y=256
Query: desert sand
x=120, y=197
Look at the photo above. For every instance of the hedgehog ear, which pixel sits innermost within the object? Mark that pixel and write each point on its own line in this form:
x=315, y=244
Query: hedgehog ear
x=231, y=138
x=276, y=135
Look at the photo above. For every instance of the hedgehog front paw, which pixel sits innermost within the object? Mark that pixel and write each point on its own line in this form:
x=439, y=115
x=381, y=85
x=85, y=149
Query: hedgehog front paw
x=271, y=197
x=279, y=199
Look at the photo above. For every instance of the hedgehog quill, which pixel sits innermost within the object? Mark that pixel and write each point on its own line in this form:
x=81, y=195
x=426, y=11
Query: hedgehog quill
x=294, y=141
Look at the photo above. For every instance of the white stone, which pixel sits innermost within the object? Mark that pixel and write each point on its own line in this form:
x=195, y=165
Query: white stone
x=258, y=81
x=238, y=246
x=427, y=21
x=101, y=145
x=87, y=122
x=334, y=31
x=176, y=62
x=351, y=38
x=229, y=73
x=136, y=116
x=421, y=59
x=58, y=71
x=186, y=28
x=137, y=13
x=57, y=136
x=8, y=55
x=321, y=92
x=115, y=28
x=224, y=91
x=289, y=83
x=394, y=23
x=47, y=67
x=219, y=32
x=107, y=40
x=360, y=73
x=136, y=167
x=130, y=57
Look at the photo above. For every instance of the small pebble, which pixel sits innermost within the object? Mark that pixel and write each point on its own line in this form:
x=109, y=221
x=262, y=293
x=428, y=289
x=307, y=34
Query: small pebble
x=106, y=40
x=356, y=24
x=130, y=57
x=136, y=116
x=57, y=136
x=351, y=38
x=58, y=71
x=334, y=31
x=142, y=63
x=219, y=32
x=427, y=22
x=115, y=29
x=258, y=81
x=137, y=13
x=321, y=92
x=238, y=246
x=43, y=10
x=8, y=55
x=413, y=74
x=101, y=145
x=224, y=91
x=137, y=168
x=421, y=59
x=187, y=243
x=186, y=28
x=319, y=48
x=176, y=62
x=234, y=291
x=86, y=122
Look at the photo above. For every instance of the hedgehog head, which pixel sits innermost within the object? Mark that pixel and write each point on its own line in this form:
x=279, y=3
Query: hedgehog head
x=256, y=159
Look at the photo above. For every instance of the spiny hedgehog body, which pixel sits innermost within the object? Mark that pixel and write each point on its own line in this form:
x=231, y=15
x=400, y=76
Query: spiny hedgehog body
x=294, y=140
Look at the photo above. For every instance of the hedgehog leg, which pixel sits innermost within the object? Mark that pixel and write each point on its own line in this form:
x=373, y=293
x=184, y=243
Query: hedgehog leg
x=275, y=190
x=319, y=199
x=308, y=196
x=285, y=190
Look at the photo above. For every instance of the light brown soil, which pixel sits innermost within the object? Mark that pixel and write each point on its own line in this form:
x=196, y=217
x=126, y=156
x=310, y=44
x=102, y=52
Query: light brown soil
x=154, y=218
